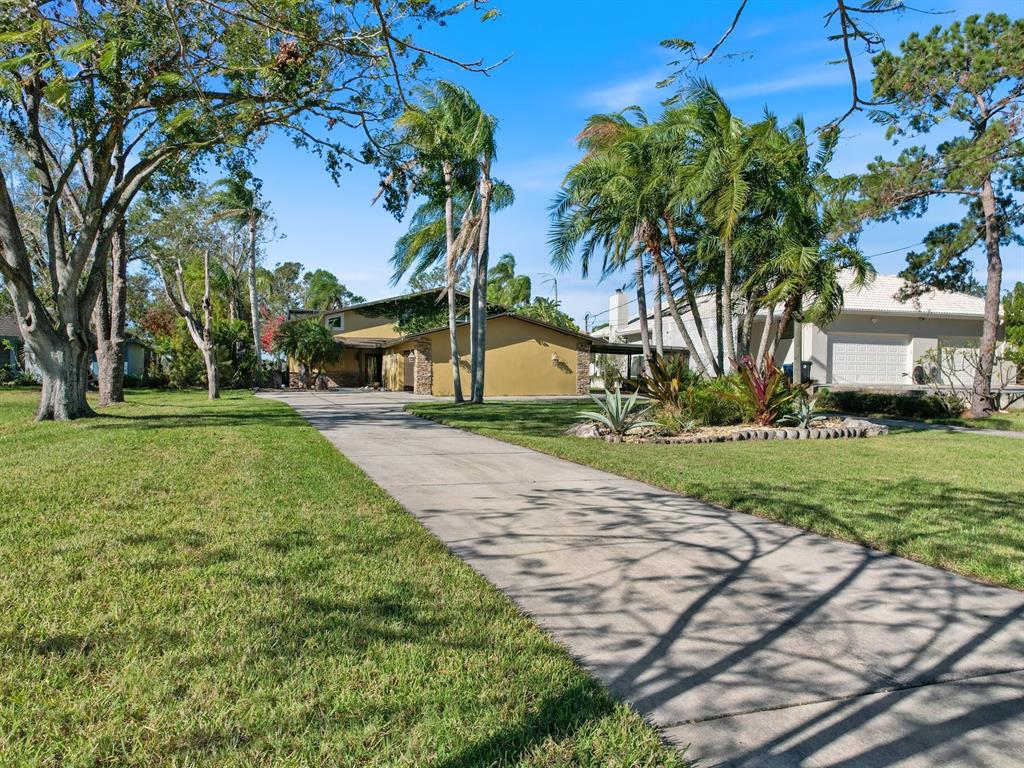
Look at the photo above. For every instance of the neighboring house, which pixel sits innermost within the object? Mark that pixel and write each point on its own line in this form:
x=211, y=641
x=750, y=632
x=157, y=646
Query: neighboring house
x=136, y=355
x=11, y=345
x=523, y=357
x=877, y=340
x=12, y=354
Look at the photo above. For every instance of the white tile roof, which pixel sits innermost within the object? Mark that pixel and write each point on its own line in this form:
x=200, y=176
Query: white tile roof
x=880, y=297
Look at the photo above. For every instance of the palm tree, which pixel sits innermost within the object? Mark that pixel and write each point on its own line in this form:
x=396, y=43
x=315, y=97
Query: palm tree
x=484, y=149
x=602, y=205
x=719, y=165
x=439, y=132
x=310, y=343
x=811, y=244
x=237, y=198
x=505, y=287
x=615, y=200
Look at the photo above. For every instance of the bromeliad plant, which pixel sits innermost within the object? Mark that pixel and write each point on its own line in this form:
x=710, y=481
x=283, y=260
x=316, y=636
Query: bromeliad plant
x=666, y=381
x=764, y=393
x=618, y=416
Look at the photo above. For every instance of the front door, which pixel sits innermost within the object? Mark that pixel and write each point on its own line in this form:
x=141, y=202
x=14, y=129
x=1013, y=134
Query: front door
x=410, y=370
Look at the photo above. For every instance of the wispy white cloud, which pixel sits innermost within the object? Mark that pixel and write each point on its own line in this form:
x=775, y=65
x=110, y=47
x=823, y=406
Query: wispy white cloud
x=615, y=96
x=812, y=78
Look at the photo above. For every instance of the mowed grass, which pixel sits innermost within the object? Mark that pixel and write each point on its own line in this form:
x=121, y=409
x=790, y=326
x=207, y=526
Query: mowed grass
x=951, y=500
x=1012, y=421
x=196, y=584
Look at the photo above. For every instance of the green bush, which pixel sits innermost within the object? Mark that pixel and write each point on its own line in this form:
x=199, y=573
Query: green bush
x=907, y=406
x=708, y=402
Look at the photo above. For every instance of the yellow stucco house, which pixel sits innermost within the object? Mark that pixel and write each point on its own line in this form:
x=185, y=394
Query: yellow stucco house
x=524, y=356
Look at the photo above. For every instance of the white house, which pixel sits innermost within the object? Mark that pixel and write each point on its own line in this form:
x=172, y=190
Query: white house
x=877, y=340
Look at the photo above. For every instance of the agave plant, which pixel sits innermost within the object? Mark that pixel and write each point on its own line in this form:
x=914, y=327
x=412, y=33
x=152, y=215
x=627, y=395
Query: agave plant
x=617, y=415
x=804, y=412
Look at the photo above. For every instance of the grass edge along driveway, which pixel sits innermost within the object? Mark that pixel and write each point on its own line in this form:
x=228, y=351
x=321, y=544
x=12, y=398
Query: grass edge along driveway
x=955, y=501
x=214, y=584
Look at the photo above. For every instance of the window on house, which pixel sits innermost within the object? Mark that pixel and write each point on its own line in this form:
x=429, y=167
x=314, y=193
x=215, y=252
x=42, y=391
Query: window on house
x=334, y=322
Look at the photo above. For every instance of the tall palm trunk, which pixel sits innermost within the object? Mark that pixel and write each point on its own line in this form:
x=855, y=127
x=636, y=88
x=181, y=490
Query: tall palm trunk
x=798, y=353
x=453, y=319
x=478, y=318
x=788, y=313
x=981, y=391
x=767, y=332
x=659, y=331
x=254, y=301
x=641, y=301
x=673, y=308
x=719, y=334
x=691, y=300
x=727, y=319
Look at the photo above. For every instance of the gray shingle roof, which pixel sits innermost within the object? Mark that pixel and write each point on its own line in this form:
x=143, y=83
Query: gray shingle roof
x=9, y=326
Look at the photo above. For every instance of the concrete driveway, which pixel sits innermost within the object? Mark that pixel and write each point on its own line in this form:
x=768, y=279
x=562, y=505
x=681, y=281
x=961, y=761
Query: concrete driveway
x=754, y=642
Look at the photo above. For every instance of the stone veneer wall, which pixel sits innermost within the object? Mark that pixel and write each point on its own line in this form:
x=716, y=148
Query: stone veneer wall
x=582, y=367
x=424, y=366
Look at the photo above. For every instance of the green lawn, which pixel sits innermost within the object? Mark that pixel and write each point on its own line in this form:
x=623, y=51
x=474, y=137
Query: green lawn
x=952, y=500
x=1013, y=421
x=188, y=584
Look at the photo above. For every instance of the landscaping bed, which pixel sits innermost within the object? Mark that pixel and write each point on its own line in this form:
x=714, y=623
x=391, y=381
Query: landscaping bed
x=819, y=429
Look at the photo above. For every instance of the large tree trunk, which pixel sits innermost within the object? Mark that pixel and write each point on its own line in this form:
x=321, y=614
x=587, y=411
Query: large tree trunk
x=212, y=377
x=480, y=264
x=641, y=301
x=254, y=303
x=65, y=368
x=727, y=329
x=451, y=277
x=109, y=319
x=981, y=392
x=207, y=348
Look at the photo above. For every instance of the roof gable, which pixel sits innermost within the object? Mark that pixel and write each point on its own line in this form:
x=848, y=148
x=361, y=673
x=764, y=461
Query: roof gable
x=495, y=316
x=9, y=326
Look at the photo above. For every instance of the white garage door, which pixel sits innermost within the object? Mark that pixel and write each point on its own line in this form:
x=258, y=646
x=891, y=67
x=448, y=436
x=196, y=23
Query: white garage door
x=868, y=359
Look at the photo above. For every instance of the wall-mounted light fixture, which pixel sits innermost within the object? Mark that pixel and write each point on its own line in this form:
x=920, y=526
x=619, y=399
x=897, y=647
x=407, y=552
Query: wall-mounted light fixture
x=555, y=359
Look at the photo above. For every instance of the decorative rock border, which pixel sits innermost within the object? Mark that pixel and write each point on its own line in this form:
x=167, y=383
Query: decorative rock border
x=850, y=428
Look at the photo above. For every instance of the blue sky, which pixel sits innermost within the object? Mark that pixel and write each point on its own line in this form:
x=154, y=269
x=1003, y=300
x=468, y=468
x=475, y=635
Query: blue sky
x=571, y=58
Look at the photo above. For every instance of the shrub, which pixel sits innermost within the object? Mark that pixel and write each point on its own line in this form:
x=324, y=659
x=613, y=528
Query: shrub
x=764, y=394
x=674, y=420
x=907, y=406
x=708, y=402
x=667, y=381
